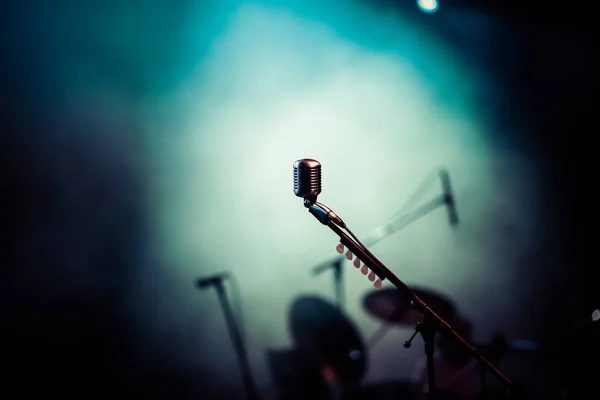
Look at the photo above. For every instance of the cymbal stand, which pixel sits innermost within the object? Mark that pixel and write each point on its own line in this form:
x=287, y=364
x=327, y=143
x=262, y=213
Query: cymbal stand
x=427, y=330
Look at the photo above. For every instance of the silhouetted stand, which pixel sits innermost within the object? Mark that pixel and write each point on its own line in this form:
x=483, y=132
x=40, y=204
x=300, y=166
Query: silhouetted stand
x=238, y=343
x=427, y=330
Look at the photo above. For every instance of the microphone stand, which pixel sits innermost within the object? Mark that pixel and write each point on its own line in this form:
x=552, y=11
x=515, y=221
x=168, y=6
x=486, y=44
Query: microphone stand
x=250, y=387
x=378, y=234
x=431, y=323
x=338, y=282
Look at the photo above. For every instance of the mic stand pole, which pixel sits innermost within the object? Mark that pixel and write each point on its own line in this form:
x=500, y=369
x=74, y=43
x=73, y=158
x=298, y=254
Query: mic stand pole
x=432, y=322
x=251, y=392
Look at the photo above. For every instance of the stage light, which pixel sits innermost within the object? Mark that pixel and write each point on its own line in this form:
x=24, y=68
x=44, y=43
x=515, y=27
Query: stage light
x=428, y=6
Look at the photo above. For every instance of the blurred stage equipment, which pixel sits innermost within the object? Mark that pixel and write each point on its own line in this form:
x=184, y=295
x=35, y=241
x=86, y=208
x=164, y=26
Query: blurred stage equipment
x=394, y=308
x=238, y=343
x=577, y=356
x=307, y=184
x=394, y=390
x=326, y=334
x=328, y=357
x=211, y=280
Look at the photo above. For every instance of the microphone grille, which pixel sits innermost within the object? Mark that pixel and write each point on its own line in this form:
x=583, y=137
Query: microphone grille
x=307, y=178
x=296, y=180
x=315, y=178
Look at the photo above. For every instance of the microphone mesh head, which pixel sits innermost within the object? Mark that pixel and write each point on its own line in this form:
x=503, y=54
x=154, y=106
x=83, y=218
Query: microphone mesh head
x=307, y=178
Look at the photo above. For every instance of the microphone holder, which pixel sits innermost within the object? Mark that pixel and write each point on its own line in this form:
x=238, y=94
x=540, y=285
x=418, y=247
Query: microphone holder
x=432, y=322
x=238, y=344
x=379, y=233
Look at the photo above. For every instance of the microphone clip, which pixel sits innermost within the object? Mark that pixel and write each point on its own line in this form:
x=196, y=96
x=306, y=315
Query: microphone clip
x=309, y=201
x=324, y=214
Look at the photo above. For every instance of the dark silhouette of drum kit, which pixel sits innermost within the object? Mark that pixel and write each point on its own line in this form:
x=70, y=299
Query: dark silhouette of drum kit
x=329, y=358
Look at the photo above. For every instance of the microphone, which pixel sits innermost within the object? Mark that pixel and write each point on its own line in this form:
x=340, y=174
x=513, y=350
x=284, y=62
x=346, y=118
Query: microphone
x=307, y=180
x=211, y=280
x=307, y=184
x=449, y=197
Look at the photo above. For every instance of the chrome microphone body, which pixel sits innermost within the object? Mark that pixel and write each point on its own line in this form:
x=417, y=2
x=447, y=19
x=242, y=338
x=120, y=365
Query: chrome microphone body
x=307, y=180
x=307, y=184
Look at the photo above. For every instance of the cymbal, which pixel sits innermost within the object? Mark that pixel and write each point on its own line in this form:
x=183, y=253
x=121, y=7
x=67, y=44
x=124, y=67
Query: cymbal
x=323, y=332
x=393, y=306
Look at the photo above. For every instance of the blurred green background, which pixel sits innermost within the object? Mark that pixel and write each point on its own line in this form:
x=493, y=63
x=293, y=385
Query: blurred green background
x=146, y=144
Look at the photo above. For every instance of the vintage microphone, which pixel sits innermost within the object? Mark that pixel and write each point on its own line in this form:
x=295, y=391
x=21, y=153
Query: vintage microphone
x=307, y=184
